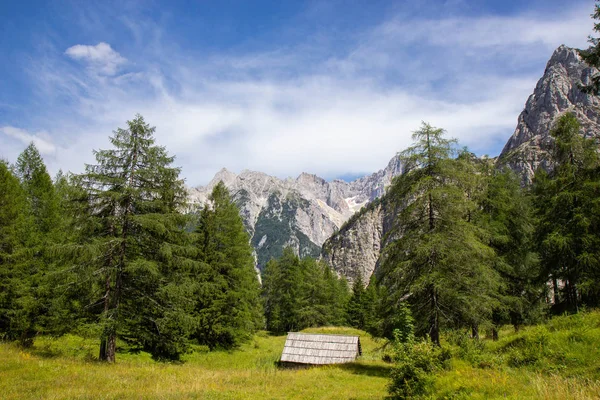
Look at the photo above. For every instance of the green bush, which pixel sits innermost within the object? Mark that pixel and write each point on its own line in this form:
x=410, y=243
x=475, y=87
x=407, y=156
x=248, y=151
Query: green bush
x=416, y=363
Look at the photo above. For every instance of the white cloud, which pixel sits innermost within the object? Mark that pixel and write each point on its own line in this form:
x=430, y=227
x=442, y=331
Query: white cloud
x=101, y=57
x=284, y=111
x=42, y=140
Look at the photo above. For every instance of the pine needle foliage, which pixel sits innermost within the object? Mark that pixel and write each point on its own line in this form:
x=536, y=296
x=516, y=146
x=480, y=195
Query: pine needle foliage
x=131, y=250
x=228, y=309
x=439, y=260
x=568, y=207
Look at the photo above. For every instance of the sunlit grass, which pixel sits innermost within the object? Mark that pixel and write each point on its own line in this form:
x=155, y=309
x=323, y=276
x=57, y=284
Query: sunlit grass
x=556, y=360
x=64, y=368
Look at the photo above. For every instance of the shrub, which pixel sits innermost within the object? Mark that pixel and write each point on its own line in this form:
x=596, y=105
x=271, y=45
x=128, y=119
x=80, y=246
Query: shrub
x=416, y=362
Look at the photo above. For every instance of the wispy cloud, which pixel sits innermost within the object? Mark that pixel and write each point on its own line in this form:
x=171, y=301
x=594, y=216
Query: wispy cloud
x=311, y=106
x=42, y=140
x=99, y=58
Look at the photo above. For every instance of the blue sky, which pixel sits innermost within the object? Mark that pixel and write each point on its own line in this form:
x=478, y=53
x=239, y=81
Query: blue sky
x=327, y=87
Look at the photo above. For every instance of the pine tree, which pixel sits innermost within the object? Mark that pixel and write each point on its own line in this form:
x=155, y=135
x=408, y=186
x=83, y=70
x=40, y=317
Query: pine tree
x=131, y=236
x=16, y=226
x=229, y=308
x=43, y=206
x=568, y=233
x=357, y=312
x=439, y=260
x=38, y=185
x=507, y=216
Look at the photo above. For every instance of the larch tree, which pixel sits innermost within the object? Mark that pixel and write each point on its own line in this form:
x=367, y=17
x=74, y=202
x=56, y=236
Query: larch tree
x=16, y=227
x=438, y=261
x=568, y=209
x=131, y=237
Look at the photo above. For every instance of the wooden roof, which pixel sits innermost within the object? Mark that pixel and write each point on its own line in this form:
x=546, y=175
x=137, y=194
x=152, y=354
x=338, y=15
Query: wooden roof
x=310, y=348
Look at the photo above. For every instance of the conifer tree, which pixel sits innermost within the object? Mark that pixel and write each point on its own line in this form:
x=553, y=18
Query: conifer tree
x=229, y=309
x=568, y=234
x=507, y=216
x=16, y=300
x=43, y=206
x=357, y=311
x=439, y=260
x=38, y=185
x=131, y=236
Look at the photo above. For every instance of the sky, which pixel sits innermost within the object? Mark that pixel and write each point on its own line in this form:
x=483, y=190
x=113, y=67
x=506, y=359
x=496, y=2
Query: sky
x=333, y=88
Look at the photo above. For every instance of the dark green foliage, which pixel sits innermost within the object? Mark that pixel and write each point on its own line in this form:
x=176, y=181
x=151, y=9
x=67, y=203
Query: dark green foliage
x=17, y=303
x=228, y=308
x=416, y=363
x=439, y=259
x=357, y=312
x=507, y=216
x=39, y=188
x=302, y=293
x=131, y=252
x=568, y=209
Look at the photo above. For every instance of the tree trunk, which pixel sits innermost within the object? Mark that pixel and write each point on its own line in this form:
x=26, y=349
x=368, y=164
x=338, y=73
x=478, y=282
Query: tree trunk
x=434, y=323
x=475, y=332
x=494, y=333
x=104, y=339
x=555, y=290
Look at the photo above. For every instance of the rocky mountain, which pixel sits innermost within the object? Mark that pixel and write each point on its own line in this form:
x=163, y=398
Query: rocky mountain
x=302, y=212
x=557, y=92
x=356, y=247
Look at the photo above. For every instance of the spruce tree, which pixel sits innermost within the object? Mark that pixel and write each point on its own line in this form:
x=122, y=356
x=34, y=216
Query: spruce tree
x=229, y=309
x=16, y=300
x=507, y=216
x=357, y=312
x=439, y=260
x=130, y=235
x=568, y=233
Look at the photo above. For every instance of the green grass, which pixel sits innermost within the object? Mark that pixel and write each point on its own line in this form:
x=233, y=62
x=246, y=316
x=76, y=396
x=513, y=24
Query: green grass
x=64, y=368
x=556, y=360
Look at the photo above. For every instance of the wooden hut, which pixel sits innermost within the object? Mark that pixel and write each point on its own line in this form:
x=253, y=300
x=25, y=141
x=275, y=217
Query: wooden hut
x=315, y=349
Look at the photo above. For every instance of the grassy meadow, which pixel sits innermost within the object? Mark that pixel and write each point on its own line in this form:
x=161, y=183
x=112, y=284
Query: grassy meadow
x=556, y=360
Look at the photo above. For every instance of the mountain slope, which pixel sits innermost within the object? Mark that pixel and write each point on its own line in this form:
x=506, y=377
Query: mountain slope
x=302, y=212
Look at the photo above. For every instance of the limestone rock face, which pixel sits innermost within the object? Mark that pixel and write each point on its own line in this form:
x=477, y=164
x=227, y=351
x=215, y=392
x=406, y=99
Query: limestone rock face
x=355, y=249
x=556, y=92
x=301, y=213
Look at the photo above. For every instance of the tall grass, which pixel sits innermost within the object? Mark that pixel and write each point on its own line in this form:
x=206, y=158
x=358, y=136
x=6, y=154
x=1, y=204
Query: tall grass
x=64, y=369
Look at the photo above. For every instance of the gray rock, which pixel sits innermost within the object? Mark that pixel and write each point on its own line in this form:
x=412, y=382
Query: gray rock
x=301, y=213
x=557, y=92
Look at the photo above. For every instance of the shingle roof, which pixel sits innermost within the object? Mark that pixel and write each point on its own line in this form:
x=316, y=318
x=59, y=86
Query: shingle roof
x=309, y=348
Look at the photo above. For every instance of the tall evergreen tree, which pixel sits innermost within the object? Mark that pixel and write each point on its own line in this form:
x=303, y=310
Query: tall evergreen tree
x=507, y=216
x=439, y=260
x=357, y=311
x=16, y=299
x=38, y=185
x=567, y=207
x=131, y=236
x=229, y=308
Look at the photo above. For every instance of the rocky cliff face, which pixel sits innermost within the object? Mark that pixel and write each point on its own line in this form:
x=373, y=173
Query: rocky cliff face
x=355, y=249
x=556, y=92
x=302, y=212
